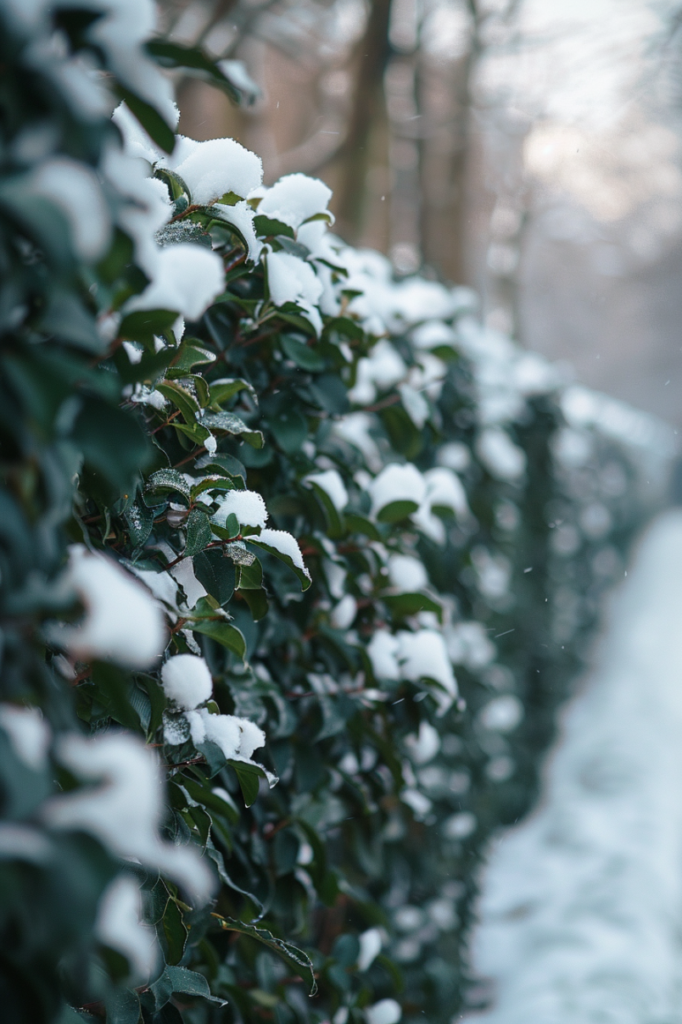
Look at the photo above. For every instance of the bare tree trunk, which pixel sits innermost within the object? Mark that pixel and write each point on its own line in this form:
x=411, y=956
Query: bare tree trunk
x=445, y=168
x=368, y=108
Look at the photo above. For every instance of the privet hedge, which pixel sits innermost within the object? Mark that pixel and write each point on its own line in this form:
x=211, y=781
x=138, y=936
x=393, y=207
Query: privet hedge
x=297, y=561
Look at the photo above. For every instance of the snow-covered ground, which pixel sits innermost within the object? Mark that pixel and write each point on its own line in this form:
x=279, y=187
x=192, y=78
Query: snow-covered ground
x=581, y=909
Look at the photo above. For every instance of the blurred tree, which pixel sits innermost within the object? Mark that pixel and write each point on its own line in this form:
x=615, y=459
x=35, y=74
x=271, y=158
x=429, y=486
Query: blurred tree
x=378, y=98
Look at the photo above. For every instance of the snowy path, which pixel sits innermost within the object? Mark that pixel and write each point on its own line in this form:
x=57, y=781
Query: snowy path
x=581, y=913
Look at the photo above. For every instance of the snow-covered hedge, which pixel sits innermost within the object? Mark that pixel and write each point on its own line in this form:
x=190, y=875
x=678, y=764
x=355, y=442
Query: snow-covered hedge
x=296, y=561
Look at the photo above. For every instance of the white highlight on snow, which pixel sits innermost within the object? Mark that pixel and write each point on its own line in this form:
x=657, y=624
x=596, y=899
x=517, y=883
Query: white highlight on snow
x=119, y=926
x=212, y=169
x=331, y=483
x=454, y=455
x=125, y=807
x=460, y=826
x=432, y=334
x=579, y=912
x=386, y=1011
x=247, y=506
x=136, y=142
x=148, y=207
x=28, y=732
x=291, y=279
x=123, y=623
x=73, y=187
x=501, y=714
x=407, y=573
x=468, y=644
x=423, y=655
x=345, y=611
x=424, y=745
x=186, y=278
x=296, y=198
x=383, y=654
x=501, y=457
x=186, y=679
x=371, y=942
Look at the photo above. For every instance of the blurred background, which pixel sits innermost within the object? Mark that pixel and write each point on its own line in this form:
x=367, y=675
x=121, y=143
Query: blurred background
x=529, y=148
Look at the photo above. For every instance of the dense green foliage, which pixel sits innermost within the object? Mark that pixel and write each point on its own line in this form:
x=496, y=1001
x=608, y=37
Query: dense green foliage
x=351, y=878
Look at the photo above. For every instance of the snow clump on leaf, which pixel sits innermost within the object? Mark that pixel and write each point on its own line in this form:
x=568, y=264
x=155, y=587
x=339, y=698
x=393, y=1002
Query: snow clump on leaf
x=186, y=679
x=331, y=483
x=423, y=655
x=186, y=280
x=123, y=622
x=120, y=927
x=215, y=168
x=74, y=189
x=247, y=506
x=28, y=732
x=407, y=573
x=285, y=544
x=296, y=198
x=397, y=483
x=125, y=809
x=291, y=279
x=238, y=738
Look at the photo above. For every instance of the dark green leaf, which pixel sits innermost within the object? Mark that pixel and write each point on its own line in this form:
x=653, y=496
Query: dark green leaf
x=157, y=699
x=199, y=535
x=225, y=388
x=166, y=481
x=149, y=118
x=191, y=353
x=397, y=510
x=301, y=353
x=411, y=604
x=175, y=932
x=176, y=186
x=251, y=576
x=227, y=422
x=257, y=601
x=303, y=574
x=194, y=61
x=249, y=776
x=225, y=464
x=297, y=959
x=143, y=324
x=215, y=573
x=181, y=397
x=140, y=521
x=334, y=518
x=289, y=428
x=122, y=1006
x=190, y=983
x=356, y=523
x=223, y=633
x=112, y=443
